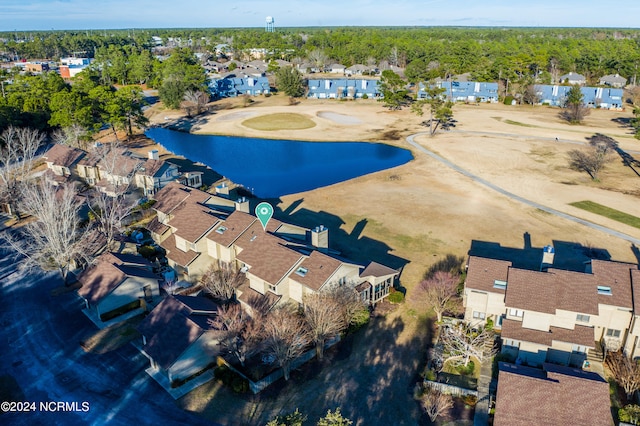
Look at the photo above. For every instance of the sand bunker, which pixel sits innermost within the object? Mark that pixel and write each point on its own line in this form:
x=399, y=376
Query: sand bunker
x=339, y=118
x=240, y=115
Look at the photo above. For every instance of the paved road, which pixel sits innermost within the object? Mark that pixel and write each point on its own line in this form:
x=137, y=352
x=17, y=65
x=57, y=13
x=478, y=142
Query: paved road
x=478, y=179
x=39, y=341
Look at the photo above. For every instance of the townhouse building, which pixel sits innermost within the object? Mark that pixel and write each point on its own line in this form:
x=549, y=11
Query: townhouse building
x=551, y=314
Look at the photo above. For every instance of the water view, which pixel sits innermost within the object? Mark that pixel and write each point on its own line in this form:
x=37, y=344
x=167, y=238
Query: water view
x=272, y=168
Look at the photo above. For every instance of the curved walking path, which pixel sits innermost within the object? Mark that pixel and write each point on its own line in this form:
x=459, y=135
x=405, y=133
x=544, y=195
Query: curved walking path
x=478, y=179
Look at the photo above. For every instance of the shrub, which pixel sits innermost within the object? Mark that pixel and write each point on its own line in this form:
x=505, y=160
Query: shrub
x=239, y=385
x=466, y=370
x=489, y=325
x=508, y=100
x=148, y=252
x=470, y=400
x=365, y=96
x=630, y=414
x=430, y=375
x=396, y=297
x=147, y=204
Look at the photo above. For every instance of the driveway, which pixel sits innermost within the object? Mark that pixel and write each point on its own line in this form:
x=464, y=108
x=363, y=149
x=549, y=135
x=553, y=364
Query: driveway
x=39, y=337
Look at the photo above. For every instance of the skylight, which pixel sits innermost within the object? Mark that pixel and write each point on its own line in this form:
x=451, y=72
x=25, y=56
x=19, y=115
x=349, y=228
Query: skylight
x=500, y=284
x=603, y=289
x=302, y=271
x=221, y=229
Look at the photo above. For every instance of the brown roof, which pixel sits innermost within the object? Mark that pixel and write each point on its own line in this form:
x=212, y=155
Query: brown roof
x=319, y=268
x=559, y=396
x=61, y=155
x=267, y=257
x=375, y=269
x=157, y=227
x=173, y=326
x=635, y=278
x=616, y=275
x=233, y=226
x=121, y=165
x=172, y=195
x=192, y=221
x=482, y=273
x=109, y=271
x=551, y=290
x=177, y=255
x=581, y=335
x=151, y=167
x=254, y=298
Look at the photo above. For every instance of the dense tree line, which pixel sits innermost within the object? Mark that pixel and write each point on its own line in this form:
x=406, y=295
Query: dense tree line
x=490, y=54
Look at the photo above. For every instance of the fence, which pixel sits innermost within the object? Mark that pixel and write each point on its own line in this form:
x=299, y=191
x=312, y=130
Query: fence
x=272, y=377
x=450, y=389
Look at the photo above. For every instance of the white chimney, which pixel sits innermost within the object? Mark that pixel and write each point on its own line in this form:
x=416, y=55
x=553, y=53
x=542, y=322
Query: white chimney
x=548, y=253
x=153, y=154
x=222, y=190
x=242, y=204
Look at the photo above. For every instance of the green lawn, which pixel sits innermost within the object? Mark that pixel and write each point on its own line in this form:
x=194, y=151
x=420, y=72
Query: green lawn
x=605, y=211
x=279, y=121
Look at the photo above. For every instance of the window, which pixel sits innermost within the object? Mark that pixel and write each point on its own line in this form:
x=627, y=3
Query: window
x=603, y=289
x=582, y=318
x=578, y=349
x=613, y=333
x=479, y=315
x=500, y=284
x=516, y=312
x=272, y=288
x=302, y=271
x=510, y=342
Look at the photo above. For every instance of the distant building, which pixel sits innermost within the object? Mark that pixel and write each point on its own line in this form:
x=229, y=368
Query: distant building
x=613, y=81
x=340, y=88
x=70, y=67
x=465, y=91
x=573, y=78
x=229, y=87
x=594, y=97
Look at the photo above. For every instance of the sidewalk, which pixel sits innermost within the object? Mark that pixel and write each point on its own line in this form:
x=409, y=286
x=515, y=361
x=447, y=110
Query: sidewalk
x=180, y=391
x=481, y=416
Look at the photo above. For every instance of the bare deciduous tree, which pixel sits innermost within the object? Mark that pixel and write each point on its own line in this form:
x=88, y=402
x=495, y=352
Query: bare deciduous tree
x=436, y=403
x=240, y=333
x=195, y=100
x=351, y=305
x=18, y=147
x=55, y=240
x=625, y=371
x=221, y=282
x=74, y=136
x=592, y=160
x=109, y=213
x=461, y=342
x=440, y=293
x=324, y=318
x=318, y=58
x=285, y=338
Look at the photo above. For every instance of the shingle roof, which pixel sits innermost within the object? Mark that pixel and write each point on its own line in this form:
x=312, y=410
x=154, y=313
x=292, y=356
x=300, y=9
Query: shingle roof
x=172, y=195
x=267, y=257
x=61, y=155
x=192, y=221
x=377, y=270
x=231, y=228
x=177, y=255
x=151, y=167
x=157, y=227
x=581, y=335
x=482, y=273
x=616, y=275
x=635, y=278
x=173, y=326
x=319, y=268
x=109, y=271
x=555, y=289
x=559, y=396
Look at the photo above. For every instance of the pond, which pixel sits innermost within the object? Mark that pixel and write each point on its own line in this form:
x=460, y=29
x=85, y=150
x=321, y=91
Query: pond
x=273, y=168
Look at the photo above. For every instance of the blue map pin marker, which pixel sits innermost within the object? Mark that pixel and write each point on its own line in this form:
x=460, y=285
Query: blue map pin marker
x=264, y=212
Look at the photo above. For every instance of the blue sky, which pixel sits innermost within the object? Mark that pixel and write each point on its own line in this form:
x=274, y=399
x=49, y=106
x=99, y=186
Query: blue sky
x=95, y=14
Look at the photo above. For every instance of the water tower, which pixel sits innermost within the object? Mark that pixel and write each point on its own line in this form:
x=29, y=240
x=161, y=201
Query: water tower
x=270, y=24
